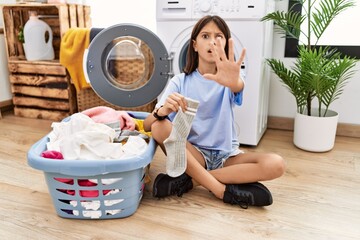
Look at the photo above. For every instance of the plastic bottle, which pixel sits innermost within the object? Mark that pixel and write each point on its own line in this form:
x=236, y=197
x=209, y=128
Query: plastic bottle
x=36, y=47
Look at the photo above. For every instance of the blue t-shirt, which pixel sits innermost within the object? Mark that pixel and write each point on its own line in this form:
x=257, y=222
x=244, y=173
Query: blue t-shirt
x=213, y=126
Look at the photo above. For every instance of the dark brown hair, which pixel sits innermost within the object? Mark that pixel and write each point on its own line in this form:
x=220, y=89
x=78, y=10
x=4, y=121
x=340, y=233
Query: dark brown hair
x=192, y=58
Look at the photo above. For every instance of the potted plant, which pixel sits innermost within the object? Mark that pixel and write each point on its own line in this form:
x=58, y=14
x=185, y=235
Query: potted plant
x=318, y=75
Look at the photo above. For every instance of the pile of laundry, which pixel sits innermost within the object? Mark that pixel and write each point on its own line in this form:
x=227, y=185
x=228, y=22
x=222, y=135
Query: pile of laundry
x=95, y=134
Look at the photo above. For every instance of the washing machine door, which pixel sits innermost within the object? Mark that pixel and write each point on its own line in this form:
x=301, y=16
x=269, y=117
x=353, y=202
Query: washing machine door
x=127, y=65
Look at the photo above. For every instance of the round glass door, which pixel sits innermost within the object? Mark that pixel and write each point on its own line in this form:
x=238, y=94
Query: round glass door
x=127, y=65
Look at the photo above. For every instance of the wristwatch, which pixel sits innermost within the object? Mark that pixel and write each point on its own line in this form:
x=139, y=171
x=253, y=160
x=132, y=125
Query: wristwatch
x=155, y=114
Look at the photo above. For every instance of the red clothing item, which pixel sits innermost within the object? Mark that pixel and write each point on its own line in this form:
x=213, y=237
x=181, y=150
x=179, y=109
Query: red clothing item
x=52, y=155
x=81, y=182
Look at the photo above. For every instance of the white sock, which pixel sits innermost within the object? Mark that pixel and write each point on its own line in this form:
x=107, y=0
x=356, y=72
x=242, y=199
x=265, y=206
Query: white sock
x=175, y=144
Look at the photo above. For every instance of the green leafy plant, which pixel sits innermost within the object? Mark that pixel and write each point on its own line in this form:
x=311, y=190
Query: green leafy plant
x=319, y=72
x=21, y=35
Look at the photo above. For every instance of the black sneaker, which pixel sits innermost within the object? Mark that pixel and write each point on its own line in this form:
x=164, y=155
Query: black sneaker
x=164, y=185
x=248, y=194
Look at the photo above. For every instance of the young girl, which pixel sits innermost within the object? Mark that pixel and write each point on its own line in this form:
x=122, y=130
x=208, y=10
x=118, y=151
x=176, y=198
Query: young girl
x=212, y=84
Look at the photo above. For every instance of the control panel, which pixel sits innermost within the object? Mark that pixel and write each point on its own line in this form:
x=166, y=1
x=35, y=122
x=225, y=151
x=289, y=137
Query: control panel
x=172, y=10
x=230, y=9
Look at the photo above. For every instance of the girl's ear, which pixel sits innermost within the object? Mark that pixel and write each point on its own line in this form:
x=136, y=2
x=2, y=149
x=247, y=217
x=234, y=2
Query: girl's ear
x=194, y=45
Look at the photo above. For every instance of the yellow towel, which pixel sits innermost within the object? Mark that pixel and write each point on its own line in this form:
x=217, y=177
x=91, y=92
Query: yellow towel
x=72, y=47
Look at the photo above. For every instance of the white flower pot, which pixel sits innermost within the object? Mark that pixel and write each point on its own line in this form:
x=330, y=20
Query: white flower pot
x=315, y=134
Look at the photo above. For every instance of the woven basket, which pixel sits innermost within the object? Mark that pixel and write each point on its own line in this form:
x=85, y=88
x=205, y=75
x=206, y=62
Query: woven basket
x=87, y=98
x=128, y=74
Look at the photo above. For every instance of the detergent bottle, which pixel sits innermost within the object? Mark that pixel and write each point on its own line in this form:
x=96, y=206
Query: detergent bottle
x=38, y=39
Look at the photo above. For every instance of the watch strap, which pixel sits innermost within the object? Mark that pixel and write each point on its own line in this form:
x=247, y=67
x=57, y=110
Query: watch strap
x=155, y=114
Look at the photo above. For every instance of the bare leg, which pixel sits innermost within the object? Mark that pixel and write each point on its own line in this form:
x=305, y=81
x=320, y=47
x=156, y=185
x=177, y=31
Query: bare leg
x=243, y=168
x=196, y=169
x=160, y=131
x=250, y=167
x=195, y=161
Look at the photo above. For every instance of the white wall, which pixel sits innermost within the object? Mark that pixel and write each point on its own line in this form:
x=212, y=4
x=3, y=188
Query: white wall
x=5, y=93
x=110, y=12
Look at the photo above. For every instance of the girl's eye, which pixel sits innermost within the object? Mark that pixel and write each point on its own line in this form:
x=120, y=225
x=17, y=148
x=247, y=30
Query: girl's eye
x=205, y=36
x=220, y=36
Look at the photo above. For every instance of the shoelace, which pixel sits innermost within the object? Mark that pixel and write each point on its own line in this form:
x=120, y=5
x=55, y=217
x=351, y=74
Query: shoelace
x=179, y=187
x=243, y=200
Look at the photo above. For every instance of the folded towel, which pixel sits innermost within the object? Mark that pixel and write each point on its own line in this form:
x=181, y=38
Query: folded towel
x=72, y=47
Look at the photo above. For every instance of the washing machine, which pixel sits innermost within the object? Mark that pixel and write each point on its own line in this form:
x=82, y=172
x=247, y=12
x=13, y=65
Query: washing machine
x=174, y=23
x=129, y=66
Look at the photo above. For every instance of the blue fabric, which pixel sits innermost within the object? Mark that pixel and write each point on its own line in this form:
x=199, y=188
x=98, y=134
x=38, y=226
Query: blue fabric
x=213, y=126
x=215, y=159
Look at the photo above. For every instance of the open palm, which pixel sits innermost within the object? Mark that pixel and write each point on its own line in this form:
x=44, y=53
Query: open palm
x=228, y=70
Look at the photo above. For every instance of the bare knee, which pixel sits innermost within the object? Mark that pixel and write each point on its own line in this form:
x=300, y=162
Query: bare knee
x=160, y=130
x=276, y=166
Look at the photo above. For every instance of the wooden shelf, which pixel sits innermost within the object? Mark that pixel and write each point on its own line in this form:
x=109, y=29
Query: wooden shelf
x=41, y=89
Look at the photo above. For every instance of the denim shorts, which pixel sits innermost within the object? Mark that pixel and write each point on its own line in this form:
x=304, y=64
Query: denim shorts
x=215, y=159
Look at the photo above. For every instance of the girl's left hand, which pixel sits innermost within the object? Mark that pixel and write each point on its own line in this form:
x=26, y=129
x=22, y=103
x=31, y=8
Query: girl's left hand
x=228, y=70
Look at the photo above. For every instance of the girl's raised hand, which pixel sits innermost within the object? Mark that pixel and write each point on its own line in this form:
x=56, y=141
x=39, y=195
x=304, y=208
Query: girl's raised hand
x=228, y=70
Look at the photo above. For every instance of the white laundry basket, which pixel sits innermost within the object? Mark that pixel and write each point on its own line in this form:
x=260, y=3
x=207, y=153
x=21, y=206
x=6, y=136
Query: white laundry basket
x=94, y=189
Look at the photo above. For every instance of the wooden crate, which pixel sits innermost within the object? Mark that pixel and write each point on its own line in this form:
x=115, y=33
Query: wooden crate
x=41, y=89
x=60, y=17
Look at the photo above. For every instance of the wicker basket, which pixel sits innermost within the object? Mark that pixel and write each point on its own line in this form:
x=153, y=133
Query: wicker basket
x=129, y=74
x=87, y=98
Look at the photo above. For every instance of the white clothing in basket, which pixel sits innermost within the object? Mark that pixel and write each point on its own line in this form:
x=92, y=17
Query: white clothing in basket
x=82, y=138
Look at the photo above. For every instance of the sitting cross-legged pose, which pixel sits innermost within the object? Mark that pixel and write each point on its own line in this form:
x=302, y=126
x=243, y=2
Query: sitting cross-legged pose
x=193, y=122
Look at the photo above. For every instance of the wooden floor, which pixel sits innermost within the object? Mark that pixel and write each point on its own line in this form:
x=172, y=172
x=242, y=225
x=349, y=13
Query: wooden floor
x=317, y=198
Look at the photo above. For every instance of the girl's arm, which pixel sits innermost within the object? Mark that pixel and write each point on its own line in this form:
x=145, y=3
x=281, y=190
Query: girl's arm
x=169, y=102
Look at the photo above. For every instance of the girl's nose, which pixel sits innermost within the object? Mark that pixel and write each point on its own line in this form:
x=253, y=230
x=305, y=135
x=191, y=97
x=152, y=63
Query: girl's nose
x=214, y=40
